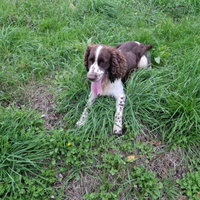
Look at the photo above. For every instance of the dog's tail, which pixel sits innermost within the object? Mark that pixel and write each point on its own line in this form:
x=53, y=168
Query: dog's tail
x=148, y=46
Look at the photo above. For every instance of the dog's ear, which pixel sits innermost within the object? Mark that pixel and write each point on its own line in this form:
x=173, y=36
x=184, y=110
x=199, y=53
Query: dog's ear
x=118, y=66
x=86, y=55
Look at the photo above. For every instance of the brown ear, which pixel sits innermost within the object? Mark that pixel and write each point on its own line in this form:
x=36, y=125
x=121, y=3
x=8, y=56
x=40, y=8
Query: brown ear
x=118, y=66
x=86, y=55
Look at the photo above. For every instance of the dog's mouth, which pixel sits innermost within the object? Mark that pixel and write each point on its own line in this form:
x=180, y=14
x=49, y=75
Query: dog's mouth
x=96, y=86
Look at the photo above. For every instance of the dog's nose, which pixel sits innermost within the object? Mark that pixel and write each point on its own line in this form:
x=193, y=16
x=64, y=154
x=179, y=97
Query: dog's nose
x=91, y=77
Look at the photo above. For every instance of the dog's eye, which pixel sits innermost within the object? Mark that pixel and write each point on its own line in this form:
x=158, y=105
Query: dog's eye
x=101, y=61
x=91, y=60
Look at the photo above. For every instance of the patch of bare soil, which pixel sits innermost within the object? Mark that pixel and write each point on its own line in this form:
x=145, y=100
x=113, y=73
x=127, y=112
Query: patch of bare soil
x=75, y=189
x=164, y=163
x=41, y=99
x=89, y=182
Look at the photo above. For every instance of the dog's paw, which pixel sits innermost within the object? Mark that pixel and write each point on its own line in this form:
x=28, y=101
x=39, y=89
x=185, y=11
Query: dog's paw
x=117, y=131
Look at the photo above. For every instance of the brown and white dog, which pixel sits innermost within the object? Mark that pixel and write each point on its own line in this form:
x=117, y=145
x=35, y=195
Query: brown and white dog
x=107, y=68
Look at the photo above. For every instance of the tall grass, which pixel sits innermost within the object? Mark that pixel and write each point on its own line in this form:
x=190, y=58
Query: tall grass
x=22, y=153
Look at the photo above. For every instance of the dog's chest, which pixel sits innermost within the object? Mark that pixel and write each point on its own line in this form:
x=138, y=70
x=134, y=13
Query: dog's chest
x=112, y=89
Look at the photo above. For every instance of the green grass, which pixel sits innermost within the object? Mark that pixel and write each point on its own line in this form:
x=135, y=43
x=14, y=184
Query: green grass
x=23, y=151
x=40, y=39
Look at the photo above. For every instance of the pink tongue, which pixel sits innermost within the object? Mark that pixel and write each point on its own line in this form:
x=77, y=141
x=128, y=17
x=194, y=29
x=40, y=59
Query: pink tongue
x=96, y=86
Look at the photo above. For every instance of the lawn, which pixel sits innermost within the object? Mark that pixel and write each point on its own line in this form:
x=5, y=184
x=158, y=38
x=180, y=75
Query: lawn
x=43, y=91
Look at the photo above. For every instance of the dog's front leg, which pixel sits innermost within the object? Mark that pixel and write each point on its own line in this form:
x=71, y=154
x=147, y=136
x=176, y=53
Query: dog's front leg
x=84, y=115
x=117, y=128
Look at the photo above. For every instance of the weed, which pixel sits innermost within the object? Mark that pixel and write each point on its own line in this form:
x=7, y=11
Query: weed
x=145, y=184
x=190, y=184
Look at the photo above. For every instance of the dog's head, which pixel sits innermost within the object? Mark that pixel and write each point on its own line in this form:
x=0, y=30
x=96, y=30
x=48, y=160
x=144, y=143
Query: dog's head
x=100, y=60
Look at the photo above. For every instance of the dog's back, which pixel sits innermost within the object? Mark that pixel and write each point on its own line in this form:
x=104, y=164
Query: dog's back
x=135, y=54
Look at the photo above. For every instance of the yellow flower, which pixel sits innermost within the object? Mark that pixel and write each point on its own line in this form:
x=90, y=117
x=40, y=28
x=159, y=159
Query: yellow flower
x=69, y=144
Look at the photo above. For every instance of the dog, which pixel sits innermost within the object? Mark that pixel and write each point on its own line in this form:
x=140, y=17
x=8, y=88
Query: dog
x=107, y=69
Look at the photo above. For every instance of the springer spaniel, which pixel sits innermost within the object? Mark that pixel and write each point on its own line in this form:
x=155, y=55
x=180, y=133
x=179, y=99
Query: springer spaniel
x=107, y=68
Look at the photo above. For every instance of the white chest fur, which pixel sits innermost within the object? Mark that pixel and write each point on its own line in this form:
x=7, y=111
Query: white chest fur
x=112, y=89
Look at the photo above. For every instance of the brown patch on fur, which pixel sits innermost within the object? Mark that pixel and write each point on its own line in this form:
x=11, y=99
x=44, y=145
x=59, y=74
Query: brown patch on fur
x=133, y=53
x=118, y=65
